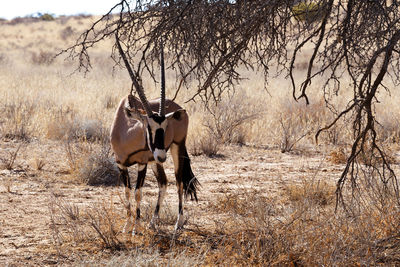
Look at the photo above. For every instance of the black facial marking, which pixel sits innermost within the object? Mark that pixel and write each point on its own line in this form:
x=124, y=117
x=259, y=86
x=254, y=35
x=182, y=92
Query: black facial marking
x=157, y=118
x=159, y=139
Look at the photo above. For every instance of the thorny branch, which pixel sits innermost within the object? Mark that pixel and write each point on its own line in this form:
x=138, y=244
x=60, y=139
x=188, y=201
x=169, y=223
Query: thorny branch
x=207, y=41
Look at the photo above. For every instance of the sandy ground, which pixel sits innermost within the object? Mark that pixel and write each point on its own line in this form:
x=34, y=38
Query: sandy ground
x=26, y=193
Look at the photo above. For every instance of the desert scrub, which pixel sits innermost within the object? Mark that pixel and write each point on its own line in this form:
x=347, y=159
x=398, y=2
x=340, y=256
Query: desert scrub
x=42, y=58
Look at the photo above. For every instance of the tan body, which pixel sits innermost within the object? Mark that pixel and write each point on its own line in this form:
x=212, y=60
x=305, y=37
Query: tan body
x=128, y=133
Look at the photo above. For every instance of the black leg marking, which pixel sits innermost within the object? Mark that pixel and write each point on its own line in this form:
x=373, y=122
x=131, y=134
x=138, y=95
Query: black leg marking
x=142, y=169
x=162, y=185
x=124, y=177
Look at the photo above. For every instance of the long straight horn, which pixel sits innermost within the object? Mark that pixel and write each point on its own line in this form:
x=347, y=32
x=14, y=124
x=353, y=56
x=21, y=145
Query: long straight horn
x=161, y=110
x=135, y=81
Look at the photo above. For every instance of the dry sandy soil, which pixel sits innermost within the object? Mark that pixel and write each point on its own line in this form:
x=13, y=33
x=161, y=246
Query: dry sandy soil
x=25, y=193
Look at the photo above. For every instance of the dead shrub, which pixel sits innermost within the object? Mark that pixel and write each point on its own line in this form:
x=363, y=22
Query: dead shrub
x=248, y=235
x=91, y=130
x=77, y=230
x=250, y=229
x=99, y=170
x=297, y=122
x=388, y=129
x=92, y=164
x=225, y=120
x=59, y=123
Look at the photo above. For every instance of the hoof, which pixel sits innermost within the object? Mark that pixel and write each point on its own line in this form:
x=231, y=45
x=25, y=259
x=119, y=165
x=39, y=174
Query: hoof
x=138, y=229
x=128, y=228
x=154, y=223
x=180, y=222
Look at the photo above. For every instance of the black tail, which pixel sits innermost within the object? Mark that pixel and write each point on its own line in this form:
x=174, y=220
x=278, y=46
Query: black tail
x=190, y=182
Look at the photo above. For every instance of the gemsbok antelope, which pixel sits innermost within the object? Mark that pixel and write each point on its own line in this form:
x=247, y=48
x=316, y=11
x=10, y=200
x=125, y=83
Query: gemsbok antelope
x=141, y=135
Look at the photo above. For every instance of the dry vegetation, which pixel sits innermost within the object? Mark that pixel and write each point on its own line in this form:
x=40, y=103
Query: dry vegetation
x=268, y=191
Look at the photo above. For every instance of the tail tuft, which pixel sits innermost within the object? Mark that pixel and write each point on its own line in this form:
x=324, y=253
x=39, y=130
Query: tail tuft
x=190, y=182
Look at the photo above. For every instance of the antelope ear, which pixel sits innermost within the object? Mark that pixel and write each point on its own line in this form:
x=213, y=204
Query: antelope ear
x=138, y=114
x=177, y=115
x=142, y=112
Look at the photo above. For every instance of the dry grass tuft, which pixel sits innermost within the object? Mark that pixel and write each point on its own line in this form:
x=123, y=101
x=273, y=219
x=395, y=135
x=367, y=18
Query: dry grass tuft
x=319, y=193
x=67, y=33
x=38, y=163
x=8, y=162
x=204, y=145
x=66, y=124
x=86, y=229
x=17, y=124
x=297, y=124
x=338, y=156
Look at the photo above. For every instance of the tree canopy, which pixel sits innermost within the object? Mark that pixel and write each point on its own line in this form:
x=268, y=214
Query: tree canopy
x=207, y=41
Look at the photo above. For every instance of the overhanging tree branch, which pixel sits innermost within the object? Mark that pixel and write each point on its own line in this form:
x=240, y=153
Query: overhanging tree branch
x=354, y=45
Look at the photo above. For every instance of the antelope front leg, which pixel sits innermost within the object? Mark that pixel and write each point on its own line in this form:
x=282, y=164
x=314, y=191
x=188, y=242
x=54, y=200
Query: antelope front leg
x=178, y=165
x=142, y=168
x=124, y=176
x=162, y=187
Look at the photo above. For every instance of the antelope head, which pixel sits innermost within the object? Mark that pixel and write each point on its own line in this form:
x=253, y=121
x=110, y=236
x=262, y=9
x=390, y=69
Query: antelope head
x=154, y=123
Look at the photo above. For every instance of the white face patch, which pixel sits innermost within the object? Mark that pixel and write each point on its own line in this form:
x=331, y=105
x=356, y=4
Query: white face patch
x=160, y=155
x=157, y=145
